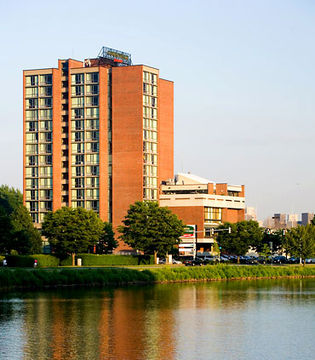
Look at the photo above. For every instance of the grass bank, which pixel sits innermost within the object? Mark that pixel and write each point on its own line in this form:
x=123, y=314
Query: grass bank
x=12, y=279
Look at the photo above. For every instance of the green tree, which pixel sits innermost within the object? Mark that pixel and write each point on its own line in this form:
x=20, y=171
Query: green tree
x=300, y=241
x=276, y=238
x=243, y=235
x=26, y=238
x=313, y=221
x=150, y=228
x=107, y=242
x=10, y=198
x=17, y=231
x=265, y=252
x=70, y=231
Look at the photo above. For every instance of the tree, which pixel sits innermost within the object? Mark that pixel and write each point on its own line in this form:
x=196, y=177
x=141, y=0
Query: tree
x=26, y=238
x=265, y=252
x=150, y=228
x=276, y=238
x=300, y=241
x=313, y=221
x=17, y=231
x=243, y=235
x=70, y=231
x=107, y=242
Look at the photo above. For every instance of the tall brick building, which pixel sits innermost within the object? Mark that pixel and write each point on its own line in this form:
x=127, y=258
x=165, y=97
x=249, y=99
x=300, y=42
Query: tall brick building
x=97, y=134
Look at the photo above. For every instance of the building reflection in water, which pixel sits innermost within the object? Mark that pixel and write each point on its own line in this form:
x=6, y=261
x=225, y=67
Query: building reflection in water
x=120, y=324
x=175, y=321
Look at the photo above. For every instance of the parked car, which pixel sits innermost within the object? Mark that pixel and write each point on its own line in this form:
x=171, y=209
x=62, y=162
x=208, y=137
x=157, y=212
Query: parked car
x=194, y=262
x=279, y=259
x=293, y=260
x=264, y=260
x=176, y=262
x=210, y=259
x=233, y=258
x=224, y=258
x=162, y=261
x=310, y=261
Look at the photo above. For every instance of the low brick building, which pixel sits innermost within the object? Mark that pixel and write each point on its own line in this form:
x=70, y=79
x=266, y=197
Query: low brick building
x=198, y=201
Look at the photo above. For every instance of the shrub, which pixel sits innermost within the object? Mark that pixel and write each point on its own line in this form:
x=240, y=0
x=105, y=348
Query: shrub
x=108, y=260
x=28, y=260
x=20, y=261
x=46, y=260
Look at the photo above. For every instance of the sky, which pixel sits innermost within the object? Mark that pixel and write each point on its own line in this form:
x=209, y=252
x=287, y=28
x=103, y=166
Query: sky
x=243, y=72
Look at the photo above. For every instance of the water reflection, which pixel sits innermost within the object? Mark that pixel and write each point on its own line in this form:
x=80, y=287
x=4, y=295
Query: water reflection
x=178, y=321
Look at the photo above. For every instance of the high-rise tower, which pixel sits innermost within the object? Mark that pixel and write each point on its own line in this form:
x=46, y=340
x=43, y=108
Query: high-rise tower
x=97, y=134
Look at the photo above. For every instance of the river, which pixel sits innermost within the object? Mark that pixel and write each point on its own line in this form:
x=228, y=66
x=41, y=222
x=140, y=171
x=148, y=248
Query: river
x=263, y=319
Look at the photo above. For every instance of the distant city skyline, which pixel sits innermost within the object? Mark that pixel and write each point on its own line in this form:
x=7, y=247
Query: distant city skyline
x=243, y=79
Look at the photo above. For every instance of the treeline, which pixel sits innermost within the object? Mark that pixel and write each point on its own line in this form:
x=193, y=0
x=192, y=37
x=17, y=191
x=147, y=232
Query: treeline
x=69, y=231
x=246, y=235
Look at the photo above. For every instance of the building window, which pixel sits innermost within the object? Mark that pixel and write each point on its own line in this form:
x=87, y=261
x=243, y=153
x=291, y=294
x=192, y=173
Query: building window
x=32, y=126
x=77, y=79
x=233, y=193
x=78, y=125
x=92, y=77
x=80, y=194
x=34, y=172
x=46, y=79
x=79, y=90
x=33, y=206
x=31, y=80
x=48, y=137
x=32, y=103
x=31, y=115
x=94, y=147
x=92, y=101
x=31, y=92
x=94, y=170
x=78, y=113
x=79, y=182
x=46, y=103
x=79, y=159
x=79, y=171
x=213, y=215
x=92, y=89
x=78, y=136
x=33, y=194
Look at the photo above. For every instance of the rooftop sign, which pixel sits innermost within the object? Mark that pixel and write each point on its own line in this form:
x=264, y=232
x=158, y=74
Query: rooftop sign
x=115, y=55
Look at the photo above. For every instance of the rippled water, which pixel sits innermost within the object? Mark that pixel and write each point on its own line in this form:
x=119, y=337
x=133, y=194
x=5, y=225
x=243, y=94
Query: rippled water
x=272, y=319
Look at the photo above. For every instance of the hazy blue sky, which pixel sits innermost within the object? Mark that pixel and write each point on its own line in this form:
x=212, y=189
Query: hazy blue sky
x=244, y=82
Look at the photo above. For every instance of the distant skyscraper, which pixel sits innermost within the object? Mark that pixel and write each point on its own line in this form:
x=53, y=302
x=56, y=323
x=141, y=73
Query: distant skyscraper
x=280, y=221
x=269, y=223
x=307, y=218
x=250, y=213
x=292, y=220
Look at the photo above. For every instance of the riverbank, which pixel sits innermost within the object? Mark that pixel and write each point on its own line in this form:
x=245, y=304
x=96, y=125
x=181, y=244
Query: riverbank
x=14, y=279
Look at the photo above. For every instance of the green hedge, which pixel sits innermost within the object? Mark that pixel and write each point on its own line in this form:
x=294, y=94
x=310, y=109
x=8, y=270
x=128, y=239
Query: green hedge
x=28, y=260
x=87, y=260
x=46, y=260
x=108, y=260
